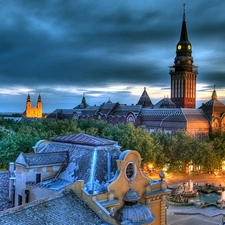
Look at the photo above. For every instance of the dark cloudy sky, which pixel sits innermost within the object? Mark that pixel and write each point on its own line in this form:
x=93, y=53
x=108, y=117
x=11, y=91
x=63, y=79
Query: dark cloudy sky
x=104, y=49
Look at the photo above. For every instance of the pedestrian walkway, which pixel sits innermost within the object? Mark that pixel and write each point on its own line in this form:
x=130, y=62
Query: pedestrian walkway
x=210, y=211
x=190, y=215
x=187, y=215
x=184, y=215
x=174, y=219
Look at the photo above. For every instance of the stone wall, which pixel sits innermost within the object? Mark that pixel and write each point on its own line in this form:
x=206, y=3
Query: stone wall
x=4, y=190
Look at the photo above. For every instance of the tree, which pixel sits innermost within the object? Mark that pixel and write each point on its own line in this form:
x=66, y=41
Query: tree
x=132, y=138
x=8, y=150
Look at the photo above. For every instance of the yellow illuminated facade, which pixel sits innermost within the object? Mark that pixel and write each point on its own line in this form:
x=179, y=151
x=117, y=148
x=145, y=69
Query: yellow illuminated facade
x=35, y=112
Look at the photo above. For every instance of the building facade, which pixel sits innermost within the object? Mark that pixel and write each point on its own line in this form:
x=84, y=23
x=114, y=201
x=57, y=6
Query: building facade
x=215, y=112
x=33, y=112
x=109, y=181
x=163, y=116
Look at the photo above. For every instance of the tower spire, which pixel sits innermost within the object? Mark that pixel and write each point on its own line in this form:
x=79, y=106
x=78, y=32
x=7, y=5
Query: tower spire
x=39, y=98
x=28, y=97
x=184, y=17
x=184, y=34
x=83, y=100
x=183, y=73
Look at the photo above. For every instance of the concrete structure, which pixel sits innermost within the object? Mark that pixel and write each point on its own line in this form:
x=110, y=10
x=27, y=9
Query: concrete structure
x=109, y=181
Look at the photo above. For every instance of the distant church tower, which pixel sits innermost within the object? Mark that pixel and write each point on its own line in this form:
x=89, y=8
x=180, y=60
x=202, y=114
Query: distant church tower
x=35, y=112
x=183, y=73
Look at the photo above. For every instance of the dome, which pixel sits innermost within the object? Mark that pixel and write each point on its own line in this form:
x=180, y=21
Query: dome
x=133, y=211
x=137, y=214
x=131, y=196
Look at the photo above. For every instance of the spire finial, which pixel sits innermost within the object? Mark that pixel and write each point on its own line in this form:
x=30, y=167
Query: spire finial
x=214, y=95
x=184, y=12
x=39, y=97
x=83, y=99
x=28, y=97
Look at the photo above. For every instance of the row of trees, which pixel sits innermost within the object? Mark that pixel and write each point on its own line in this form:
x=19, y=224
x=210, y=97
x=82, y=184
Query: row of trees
x=175, y=150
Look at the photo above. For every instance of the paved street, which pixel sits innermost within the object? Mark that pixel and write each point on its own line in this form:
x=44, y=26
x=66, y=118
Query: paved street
x=190, y=215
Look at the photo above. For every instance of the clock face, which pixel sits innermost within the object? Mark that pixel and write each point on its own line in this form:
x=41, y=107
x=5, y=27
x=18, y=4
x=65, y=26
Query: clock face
x=179, y=47
x=189, y=47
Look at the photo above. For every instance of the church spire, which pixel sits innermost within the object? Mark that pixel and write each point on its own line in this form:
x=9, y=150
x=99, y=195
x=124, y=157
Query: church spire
x=39, y=98
x=84, y=100
x=83, y=103
x=28, y=97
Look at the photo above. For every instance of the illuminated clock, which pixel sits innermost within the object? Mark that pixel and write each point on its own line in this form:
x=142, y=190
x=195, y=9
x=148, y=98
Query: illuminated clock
x=179, y=47
x=189, y=47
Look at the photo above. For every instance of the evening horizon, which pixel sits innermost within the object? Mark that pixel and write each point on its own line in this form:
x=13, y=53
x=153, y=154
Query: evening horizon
x=104, y=51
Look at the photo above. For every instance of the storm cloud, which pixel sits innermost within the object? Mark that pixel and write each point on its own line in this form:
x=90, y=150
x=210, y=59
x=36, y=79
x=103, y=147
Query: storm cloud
x=104, y=49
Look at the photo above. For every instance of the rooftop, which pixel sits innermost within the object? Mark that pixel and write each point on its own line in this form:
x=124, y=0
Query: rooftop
x=46, y=211
x=83, y=139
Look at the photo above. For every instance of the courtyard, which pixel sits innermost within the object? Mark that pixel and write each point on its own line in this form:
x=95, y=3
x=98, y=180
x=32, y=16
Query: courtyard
x=186, y=215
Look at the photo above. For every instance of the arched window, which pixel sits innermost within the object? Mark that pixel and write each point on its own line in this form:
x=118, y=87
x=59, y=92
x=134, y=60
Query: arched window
x=130, y=118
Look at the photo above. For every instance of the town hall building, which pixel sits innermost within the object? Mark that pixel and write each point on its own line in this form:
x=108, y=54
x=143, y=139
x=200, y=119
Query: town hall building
x=169, y=114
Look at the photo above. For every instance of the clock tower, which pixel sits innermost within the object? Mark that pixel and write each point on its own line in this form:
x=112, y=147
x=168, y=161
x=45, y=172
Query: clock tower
x=183, y=73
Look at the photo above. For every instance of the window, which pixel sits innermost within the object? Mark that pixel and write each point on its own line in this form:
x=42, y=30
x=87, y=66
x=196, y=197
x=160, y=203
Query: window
x=131, y=119
x=27, y=193
x=20, y=199
x=38, y=178
x=130, y=171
